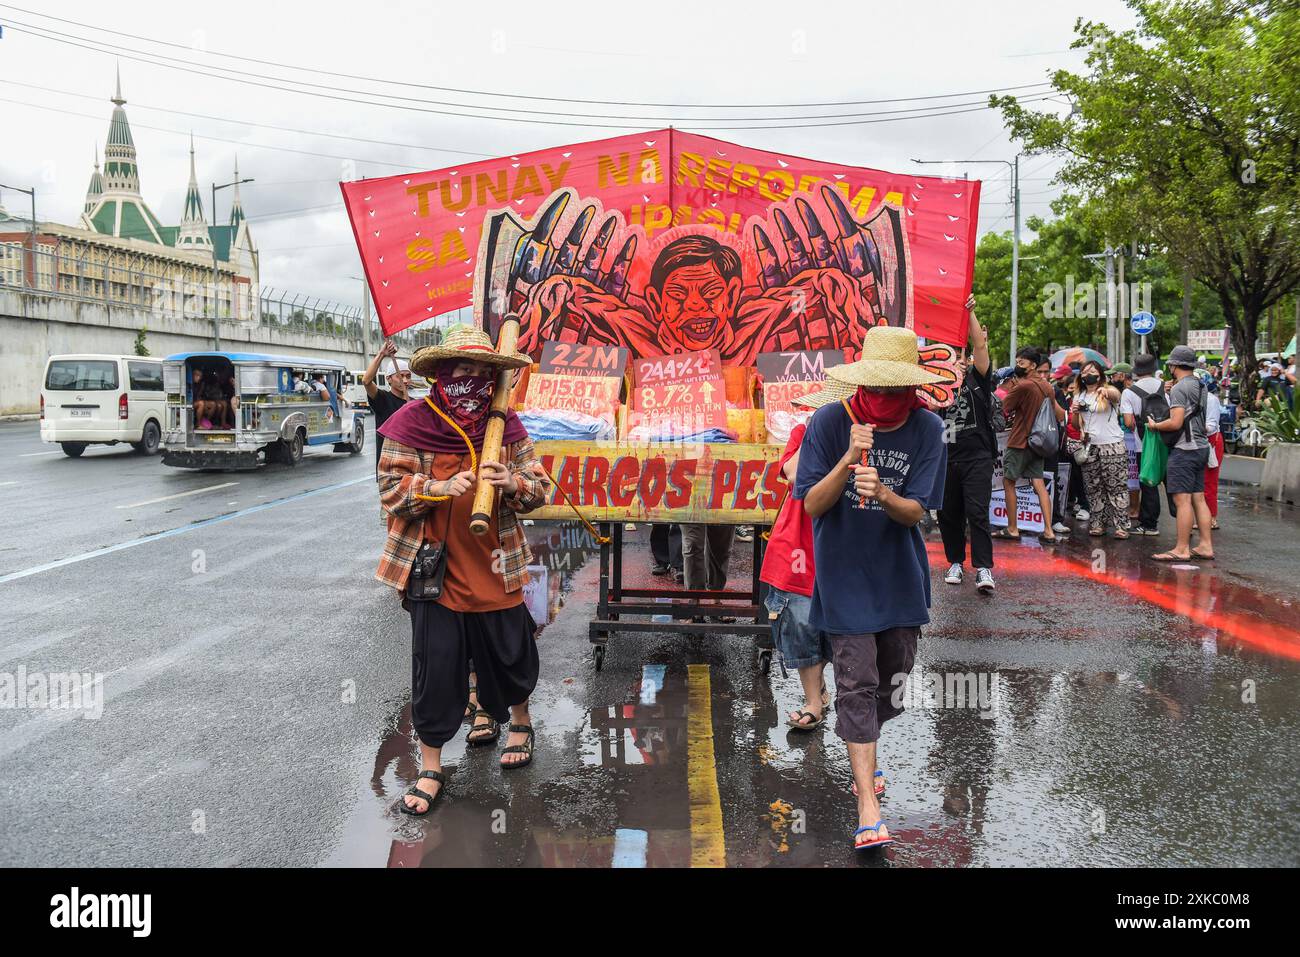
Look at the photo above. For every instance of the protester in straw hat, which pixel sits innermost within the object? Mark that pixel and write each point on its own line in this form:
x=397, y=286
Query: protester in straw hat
x=872, y=588
x=789, y=571
x=426, y=480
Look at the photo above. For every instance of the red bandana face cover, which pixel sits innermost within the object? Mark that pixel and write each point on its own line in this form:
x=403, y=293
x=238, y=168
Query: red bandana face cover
x=466, y=397
x=884, y=409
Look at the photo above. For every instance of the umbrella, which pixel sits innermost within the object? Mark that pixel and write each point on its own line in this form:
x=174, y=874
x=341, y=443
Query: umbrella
x=1079, y=354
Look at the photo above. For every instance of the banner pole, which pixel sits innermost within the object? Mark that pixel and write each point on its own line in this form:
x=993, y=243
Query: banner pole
x=672, y=209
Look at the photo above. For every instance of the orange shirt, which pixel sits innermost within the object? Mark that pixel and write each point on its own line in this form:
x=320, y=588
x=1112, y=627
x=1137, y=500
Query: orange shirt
x=473, y=581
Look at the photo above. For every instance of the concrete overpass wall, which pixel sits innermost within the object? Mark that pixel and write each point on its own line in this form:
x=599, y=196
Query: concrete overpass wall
x=34, y=327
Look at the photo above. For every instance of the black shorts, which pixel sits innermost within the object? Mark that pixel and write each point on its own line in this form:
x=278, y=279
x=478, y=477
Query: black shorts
x=1185, y=473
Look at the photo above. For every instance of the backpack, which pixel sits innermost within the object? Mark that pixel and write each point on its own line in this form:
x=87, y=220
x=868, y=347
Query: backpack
x=1154, y=406
x=1044, y=435
x=1157, y=407
x=997, y=414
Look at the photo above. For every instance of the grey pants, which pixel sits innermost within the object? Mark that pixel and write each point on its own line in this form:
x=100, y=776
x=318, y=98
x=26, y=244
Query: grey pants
x=869, y=670
x=706, y=553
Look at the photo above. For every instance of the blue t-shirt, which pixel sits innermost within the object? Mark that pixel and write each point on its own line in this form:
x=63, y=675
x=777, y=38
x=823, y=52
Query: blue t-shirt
x=872, y=572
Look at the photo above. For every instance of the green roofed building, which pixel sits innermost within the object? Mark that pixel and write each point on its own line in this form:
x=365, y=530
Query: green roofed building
x=120, y=247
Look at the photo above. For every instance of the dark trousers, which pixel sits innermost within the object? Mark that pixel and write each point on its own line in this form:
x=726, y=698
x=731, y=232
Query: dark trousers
x=706, y=553
x=870, y=672
x=967, y=489
x=1149, y=507
x=666, y=545
x=443, y=642
x=1078, y=489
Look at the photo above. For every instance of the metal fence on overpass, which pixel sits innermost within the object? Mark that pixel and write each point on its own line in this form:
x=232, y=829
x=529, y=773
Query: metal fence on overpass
x=187, y=291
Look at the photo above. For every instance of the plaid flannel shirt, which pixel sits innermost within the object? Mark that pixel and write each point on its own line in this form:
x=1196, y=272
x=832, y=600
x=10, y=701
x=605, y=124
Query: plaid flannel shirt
x=404, y=473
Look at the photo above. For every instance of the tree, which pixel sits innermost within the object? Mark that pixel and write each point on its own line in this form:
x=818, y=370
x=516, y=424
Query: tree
x=140, y=348
x=1186, y=133
x=1063, y=292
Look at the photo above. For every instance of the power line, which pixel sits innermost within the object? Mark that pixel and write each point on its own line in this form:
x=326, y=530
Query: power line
x=520, y=96
x=215, y=139
x=153, y=60
x=263, y=126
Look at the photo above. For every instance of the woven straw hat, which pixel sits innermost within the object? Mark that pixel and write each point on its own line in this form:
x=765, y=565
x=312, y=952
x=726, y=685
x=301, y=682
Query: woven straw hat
x=890, y=360
x=830, y=393
x=464, y=342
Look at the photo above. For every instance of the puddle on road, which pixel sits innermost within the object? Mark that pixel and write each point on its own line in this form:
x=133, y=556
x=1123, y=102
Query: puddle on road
x=1074, y=767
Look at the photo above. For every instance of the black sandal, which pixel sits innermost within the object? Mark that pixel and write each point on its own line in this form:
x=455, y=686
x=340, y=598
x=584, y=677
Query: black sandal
x=796, y=723
x=429, y=799
x=476, y=737
x=525, y=749
x=470, y=707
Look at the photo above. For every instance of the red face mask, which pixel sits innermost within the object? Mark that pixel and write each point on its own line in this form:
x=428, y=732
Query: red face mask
x=883, y=409
x=466, y=397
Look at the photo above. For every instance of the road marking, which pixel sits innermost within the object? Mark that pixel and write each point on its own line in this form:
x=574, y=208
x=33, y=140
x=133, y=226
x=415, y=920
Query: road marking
x=37, y=569
x=28, y=455
x=630, y=847
x=2, y=484
x=168, y=498
x=708, y=848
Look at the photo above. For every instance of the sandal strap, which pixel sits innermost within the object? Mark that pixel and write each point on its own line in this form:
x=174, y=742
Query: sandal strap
x=521, y=729
x=518, y=749
x=438, y=776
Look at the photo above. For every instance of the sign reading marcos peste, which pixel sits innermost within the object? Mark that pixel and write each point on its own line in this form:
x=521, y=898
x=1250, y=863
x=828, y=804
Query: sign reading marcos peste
x=670, y=242
x=666, y=482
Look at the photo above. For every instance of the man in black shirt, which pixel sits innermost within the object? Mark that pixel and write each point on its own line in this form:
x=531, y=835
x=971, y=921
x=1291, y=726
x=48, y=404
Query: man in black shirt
x=972, y=445
x=384, y=402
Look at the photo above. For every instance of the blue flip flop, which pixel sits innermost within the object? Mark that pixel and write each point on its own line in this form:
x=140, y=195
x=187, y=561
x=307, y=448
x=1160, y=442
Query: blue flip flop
x=877, y=786
x=878, y=842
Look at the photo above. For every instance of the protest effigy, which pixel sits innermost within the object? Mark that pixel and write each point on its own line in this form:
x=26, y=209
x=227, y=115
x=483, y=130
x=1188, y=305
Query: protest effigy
x=676, y=293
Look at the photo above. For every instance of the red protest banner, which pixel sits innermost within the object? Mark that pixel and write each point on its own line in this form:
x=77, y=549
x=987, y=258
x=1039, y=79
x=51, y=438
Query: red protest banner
x=666, y=242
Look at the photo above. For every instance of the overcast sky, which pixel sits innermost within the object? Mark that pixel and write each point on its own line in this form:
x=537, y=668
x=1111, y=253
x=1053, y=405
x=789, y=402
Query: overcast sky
x=691, y=53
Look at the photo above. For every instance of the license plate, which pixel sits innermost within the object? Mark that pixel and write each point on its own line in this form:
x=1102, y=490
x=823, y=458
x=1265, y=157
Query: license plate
x=219, y=439
x=79, y=412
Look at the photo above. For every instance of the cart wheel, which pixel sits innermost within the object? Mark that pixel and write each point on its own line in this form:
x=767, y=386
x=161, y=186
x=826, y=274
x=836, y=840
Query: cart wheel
x=598, y=656
x=765, y=661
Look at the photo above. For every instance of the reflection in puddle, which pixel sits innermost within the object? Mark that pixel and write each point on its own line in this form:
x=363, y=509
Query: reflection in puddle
x=559, y=550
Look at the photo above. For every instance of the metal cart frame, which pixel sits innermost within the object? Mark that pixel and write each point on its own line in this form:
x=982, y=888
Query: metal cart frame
x=616, y=600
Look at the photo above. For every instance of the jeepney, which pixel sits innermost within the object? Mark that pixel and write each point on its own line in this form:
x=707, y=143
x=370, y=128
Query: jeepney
x=274, y=408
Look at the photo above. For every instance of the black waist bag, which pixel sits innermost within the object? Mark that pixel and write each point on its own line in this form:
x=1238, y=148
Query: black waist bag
x=427, y=572
x=429, y=568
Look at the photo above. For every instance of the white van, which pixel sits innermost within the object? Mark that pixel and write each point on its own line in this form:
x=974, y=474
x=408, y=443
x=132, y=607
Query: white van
x=108, y=399
x=355, y=392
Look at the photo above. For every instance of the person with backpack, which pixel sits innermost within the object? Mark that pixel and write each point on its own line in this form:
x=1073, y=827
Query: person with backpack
x=1189, y=455
x=1035, y=419
x=1143, y=399
x=972, y=447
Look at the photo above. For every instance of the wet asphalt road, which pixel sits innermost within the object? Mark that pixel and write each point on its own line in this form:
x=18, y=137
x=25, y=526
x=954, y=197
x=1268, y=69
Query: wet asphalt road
x=255, y=699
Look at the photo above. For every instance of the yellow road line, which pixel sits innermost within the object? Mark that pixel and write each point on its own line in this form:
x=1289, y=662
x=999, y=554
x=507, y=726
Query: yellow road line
x=708, y=847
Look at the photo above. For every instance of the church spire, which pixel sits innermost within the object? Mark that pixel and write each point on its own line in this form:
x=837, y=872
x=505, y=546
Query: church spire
x=121, y=173
x=194, y=228
x=236, y=206
x=96, y=188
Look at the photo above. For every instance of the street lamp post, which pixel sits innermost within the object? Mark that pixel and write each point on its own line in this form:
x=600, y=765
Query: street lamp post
x=1014, y=166
x=32, y=244
x=216, y=305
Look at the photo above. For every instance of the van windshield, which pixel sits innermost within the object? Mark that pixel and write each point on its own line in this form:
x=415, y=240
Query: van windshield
x=81, y=375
